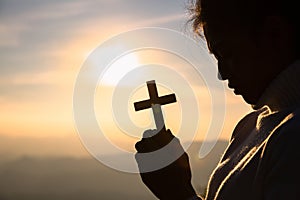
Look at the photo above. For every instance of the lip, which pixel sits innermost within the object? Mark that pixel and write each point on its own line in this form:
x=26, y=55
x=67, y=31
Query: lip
x=231, y=85
x=236, y=92
x=234, y=87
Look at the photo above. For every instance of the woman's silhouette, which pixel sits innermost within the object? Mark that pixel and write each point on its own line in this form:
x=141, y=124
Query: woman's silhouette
x=256, y=43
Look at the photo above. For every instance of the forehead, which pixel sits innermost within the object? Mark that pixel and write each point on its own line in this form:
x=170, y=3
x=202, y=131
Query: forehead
x=220, y=35
x=216, y=35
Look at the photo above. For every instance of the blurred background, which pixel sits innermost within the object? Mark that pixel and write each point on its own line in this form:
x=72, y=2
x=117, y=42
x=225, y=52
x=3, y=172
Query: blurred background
x=43, y=44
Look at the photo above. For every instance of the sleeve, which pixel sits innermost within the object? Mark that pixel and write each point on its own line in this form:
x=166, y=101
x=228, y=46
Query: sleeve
x=195, y=198
x=282, y=179
x=246, y=124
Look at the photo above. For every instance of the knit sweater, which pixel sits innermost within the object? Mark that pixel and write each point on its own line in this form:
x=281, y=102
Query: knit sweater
x=261, y=161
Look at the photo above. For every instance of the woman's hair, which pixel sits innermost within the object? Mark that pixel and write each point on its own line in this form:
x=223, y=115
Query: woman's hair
x=249, y=14
x=246, y=15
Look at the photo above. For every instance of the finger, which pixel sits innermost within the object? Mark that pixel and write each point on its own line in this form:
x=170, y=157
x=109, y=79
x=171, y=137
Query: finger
x=138, y=146
x=149, y=133
x=153, y=140
x=163, y=138
x=142, y=146
x=146, y=145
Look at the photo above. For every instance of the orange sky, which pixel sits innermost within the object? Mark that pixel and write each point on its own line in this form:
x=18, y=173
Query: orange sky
x=44, y=46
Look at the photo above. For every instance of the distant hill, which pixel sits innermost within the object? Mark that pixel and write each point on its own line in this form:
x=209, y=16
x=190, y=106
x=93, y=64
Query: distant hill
x=66, y=177
x=69, y=145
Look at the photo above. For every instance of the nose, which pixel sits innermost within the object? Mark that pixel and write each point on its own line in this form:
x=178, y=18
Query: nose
x=223, y=71
x=220, y=76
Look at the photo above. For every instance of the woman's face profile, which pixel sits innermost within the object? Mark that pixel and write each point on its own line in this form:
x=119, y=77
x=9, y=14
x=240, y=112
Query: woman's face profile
x=241, y=60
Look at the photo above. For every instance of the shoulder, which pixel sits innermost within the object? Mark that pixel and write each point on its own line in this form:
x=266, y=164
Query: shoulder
x=247, y=124
x=288, y=130
x=279, y=169
x=283, y=142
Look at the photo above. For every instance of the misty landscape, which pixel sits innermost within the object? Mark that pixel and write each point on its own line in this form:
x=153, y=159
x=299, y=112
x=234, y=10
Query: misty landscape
x=64, y=176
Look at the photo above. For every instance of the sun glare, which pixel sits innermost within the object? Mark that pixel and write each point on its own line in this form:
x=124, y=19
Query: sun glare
x=119, y=68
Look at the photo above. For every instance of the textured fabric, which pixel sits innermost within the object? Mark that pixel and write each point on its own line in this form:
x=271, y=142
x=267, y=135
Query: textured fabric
x=261, y=159
x=195, y=198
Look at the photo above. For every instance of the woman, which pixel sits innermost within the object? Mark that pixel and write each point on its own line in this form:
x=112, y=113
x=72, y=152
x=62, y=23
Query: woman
x=256, y=44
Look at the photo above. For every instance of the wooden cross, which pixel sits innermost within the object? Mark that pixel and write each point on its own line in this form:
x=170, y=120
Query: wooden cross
x=155, y=103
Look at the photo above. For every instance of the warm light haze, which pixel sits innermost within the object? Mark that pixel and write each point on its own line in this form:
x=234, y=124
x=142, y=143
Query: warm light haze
x=43, y=45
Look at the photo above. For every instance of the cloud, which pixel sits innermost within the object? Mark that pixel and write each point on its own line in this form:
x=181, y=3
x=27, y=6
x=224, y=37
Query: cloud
x=43, y=43
x=29, y=27
x=36, y=35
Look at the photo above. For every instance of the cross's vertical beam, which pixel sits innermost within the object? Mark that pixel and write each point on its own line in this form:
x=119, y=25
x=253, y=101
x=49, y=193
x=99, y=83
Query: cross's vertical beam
x=156, y=108
x=152, y=90
x=158, y=117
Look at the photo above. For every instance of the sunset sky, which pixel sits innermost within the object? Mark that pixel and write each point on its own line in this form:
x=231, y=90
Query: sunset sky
x=44, y=44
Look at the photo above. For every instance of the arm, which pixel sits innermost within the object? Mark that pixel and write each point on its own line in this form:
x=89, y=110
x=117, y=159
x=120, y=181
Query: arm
x=281, y=168
x=283, y=180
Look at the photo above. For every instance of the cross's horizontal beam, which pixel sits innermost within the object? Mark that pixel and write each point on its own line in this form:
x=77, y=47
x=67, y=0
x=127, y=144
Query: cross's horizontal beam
x=171, y=98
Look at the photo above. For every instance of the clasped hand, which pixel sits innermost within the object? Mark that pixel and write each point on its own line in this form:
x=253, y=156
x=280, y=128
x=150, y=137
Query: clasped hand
x=164, y=165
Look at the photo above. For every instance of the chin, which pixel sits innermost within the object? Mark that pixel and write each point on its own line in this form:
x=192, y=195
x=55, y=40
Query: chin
x=250, y=99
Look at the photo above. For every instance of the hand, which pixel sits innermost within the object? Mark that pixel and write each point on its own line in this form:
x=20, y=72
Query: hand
x=167, y=182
